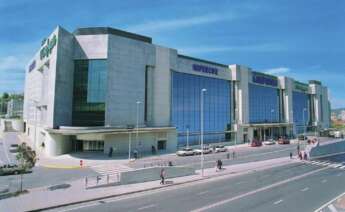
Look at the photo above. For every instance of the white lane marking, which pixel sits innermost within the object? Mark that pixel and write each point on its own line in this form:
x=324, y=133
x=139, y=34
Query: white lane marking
x=222, y=202
x=329, y=202
x=241, y=182
x=203, y=192
x=305, y=189
x=332, y=208
x=79, y=207
x=324, y=181
x=277, y=202
x=146, y=207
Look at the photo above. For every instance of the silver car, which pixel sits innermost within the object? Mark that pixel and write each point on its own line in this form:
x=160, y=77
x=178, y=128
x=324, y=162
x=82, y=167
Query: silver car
x=185, y=152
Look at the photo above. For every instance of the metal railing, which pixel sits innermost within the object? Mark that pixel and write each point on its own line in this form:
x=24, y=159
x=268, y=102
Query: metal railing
x=100, y=180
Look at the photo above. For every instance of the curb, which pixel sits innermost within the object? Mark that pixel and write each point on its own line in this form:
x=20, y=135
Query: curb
x=62, y=167
x=153, y=188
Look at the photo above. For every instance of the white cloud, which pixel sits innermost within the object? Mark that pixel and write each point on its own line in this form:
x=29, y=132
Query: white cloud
x=11, y=63
x=171, y=24
x=269, y=47
x=278, y=70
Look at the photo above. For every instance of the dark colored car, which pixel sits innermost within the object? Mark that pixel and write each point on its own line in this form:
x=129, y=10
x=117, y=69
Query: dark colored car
x=255, y=143
x=283, y=141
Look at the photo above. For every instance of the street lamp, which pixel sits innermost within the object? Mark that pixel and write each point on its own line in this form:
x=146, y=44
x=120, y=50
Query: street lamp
x=35, y=137
x=236, y=120
x=137, y=131
x=187, y=136
x=304, y=124
x=272, y=116
x=202, y=130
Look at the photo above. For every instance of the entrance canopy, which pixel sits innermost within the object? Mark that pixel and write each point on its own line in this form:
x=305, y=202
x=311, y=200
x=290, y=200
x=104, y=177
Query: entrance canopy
x=259, y=125
x=106, y=130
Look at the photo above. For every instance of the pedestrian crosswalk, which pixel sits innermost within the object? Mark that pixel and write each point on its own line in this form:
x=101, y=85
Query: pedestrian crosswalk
x=337, y=165
x=110, y=169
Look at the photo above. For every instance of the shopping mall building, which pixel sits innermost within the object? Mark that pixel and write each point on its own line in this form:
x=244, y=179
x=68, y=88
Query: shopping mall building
x=98, y=88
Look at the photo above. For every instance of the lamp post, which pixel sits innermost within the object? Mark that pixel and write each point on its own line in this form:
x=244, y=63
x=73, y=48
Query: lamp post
x=236, y=110
x=272, y=116
x=137, y=126
x=202, y=130
x=187, y=136
x=35, y=137
x=129, y=145
x=304, y=125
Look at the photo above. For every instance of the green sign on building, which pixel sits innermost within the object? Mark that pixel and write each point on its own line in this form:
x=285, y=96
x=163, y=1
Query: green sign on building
x=301, y=86
x=48, y=48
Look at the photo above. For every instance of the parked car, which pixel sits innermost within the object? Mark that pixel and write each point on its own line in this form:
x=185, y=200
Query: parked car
x=220, y=148
x=283, y=141
x=185, y=152
x=206, y=150
x=255, y=143
x=269, y=142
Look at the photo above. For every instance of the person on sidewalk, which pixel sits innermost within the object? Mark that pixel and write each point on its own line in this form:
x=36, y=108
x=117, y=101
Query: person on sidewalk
x=111, y=152
x=290, y=155
x=162, y=176
x=305, y=156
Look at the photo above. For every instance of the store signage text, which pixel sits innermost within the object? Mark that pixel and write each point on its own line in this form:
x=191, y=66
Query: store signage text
x=48, y=48
x=205, y=69
x=301, y=86
x=32, y=66
x=265, y=80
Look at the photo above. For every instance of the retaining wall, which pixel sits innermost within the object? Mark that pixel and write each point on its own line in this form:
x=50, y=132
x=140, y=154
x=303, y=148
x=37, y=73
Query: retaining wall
x=151, y=174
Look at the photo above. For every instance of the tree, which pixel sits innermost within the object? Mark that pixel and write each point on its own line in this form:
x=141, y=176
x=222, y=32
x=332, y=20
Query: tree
x=5, y=96
x=26, y=156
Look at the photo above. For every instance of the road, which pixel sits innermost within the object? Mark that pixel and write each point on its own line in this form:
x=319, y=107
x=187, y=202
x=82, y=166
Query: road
x=294, y=187
x=39, y=176
x=243, y=155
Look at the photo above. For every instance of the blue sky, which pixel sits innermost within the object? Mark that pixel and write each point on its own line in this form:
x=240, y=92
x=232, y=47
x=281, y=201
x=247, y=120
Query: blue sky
x=301, y=39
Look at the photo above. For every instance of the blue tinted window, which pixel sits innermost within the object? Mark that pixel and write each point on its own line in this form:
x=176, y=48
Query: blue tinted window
x=300, y=104
x=186, y=92
x=263, y=104
x=97, y=78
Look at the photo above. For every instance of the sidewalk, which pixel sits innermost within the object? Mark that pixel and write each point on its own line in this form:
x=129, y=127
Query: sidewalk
x=75, y=192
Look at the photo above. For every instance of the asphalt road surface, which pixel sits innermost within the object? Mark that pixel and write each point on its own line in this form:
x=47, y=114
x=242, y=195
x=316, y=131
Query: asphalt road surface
x=243, y=155
x=294, y=187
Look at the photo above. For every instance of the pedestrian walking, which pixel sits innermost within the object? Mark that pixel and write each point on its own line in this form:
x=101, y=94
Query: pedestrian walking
x=111, y=152
x=300, y=155
x=228, y=155
x=233, y=155
x=153, y=150
x=220, y=164
x=305, y=156
x=290, y=155
x=135, y=153
x=162, y=176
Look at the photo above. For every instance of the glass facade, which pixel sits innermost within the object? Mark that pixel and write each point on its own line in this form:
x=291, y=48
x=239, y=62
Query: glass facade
x=89, y=91
x=299, y=103
x=263, y=104
x=186, y=95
